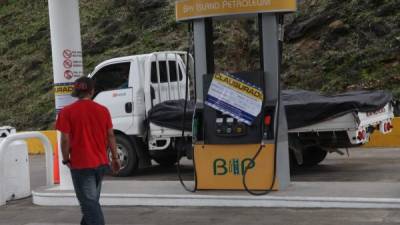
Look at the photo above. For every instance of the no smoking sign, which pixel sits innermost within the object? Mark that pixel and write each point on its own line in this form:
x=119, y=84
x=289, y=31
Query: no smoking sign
x=67, y=53
x=67, y=64
x=68, y=74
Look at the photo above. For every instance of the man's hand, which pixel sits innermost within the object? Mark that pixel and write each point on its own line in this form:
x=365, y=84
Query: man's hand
x=65, y=149
x=67, y=163
x=115, y=165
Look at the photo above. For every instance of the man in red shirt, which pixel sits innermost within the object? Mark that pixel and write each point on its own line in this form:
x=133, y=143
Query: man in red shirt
x=86, y=133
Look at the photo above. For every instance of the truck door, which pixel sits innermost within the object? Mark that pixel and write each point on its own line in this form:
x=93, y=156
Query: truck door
x=165, y=78
x=114, y=90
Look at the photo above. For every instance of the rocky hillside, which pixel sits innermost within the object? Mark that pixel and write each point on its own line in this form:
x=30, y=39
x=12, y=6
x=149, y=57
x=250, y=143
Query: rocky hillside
x=331, y=45
x=342, y=45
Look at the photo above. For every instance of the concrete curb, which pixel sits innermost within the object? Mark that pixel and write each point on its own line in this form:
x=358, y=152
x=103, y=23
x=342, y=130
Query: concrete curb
x=169, y=194
x=59, y=199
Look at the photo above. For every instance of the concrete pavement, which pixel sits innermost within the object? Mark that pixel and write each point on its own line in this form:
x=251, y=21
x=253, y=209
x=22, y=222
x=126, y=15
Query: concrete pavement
x=378, y=165
x=24, y=213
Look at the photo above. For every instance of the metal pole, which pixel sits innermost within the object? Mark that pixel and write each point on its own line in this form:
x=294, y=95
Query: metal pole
x=67, y=60
x=158, y=78
x=204, y=54
x=178, y=78
x=270, y=53
x=168, y=76
x=271, y=63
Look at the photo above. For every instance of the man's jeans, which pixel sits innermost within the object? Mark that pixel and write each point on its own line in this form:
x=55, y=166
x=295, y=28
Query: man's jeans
x=87, y=184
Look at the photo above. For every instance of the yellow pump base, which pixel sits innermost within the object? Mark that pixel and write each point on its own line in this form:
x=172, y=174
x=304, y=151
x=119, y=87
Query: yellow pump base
x=220, y=167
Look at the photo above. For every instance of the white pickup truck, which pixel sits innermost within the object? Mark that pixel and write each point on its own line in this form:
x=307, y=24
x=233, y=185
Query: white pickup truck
x=130, y=87
x=352, y=126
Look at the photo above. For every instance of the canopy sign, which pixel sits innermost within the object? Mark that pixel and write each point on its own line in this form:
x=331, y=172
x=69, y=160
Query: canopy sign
x=192, y=9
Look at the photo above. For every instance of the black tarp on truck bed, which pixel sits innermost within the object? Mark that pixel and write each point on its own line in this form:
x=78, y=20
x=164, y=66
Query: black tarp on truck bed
x=303, y=108
x=170, y=114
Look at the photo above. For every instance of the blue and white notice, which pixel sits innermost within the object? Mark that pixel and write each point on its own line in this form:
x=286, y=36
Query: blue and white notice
x=232, y=96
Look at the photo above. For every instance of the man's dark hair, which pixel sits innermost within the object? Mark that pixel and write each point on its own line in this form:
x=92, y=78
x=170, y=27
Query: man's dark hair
x=82, y=87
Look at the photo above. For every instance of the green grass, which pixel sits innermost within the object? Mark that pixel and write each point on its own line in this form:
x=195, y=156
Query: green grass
x=365, y=56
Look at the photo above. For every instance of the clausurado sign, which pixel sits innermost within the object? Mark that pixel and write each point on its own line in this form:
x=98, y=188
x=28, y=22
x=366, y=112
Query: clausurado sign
x=192, y=9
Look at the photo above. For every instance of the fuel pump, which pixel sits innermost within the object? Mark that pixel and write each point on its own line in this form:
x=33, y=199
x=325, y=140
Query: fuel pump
x=239, y=126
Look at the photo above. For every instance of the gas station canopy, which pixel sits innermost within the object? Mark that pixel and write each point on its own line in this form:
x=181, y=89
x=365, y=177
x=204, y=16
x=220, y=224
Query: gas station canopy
x=193, y=9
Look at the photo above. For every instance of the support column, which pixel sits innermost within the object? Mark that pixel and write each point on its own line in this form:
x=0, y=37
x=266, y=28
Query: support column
x=270, y=55
x=271, y=65
x=67, y=60
x=204, y=53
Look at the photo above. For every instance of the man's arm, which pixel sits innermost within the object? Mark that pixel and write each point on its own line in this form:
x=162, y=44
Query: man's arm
x=115, y=163
x=65, y=147
x=112, y=143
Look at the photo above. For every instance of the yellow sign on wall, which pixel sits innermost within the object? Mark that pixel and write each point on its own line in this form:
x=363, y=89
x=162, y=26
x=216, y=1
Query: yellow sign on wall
x=221, y=167
x=390, y=140
x=192, y=9
x=63, y=89
x=35, y=146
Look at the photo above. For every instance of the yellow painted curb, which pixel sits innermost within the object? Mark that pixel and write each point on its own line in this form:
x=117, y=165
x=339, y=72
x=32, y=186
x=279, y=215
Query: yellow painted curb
x=35, y=146
x=386, y=140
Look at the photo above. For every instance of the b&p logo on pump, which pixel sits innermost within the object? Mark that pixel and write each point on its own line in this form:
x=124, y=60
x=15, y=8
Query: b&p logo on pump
x=236, y=167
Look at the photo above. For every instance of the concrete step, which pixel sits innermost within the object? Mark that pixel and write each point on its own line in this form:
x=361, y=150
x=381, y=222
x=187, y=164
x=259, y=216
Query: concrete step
x=171, y=193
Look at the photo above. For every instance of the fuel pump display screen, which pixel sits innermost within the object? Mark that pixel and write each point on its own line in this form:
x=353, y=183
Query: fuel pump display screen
x=234, y=118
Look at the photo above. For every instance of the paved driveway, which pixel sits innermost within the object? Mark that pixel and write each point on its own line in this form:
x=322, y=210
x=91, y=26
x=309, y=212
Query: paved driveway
x=362, y=165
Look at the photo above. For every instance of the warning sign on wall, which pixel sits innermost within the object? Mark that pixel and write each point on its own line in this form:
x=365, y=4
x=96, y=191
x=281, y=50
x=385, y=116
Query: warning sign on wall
x=63, y=89
x=68, y=74
x=67, y=53
x=72, y=64
x=62, y=92
x=68, y=70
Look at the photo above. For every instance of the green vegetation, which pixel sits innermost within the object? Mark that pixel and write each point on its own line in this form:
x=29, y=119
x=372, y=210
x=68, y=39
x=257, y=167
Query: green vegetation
x=345, y=45
x=331, y=45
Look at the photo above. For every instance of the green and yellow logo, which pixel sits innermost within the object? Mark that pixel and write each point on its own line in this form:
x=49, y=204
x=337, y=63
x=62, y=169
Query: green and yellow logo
x=234, y=167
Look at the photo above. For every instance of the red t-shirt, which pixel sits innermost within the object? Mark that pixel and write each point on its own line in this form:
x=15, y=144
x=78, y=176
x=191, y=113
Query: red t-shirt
x=87, y=123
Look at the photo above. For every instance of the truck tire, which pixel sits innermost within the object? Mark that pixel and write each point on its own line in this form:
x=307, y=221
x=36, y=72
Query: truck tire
x=127, y=155
x=313, y=156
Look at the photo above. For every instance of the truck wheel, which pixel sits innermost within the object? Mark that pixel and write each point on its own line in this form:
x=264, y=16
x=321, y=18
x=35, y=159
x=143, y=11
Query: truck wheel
x=127, y=156
x=313, y=155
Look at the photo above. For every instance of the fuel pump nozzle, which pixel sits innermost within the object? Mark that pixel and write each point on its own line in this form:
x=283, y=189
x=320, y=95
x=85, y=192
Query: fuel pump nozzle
x=269, y=112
